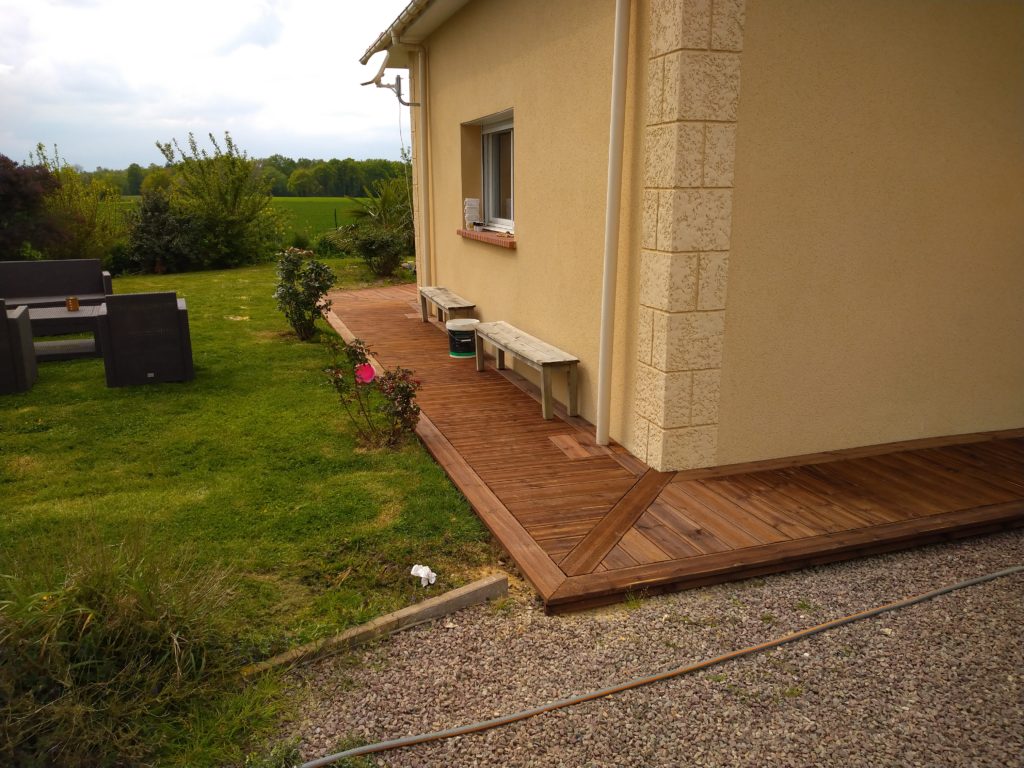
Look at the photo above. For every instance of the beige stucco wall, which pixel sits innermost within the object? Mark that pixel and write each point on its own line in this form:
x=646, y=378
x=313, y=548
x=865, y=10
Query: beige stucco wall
x=551, y=64
x=876, y=273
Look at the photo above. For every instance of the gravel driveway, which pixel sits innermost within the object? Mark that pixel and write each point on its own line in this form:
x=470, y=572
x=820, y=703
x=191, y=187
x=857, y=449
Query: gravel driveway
x=940, y=683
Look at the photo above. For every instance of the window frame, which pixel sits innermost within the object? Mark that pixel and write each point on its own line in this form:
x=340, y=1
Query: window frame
x=490, y=207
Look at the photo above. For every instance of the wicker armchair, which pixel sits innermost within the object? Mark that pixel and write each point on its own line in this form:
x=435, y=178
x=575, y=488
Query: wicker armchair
x=145, y=339
x=17, y=355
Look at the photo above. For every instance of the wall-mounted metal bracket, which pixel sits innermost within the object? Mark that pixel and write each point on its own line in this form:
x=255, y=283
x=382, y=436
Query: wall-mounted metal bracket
x=395, y=87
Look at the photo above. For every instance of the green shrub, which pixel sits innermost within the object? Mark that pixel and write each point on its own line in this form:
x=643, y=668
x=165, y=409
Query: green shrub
x=301, y=240
x=162, y=238
x=99, y=657
x=381, y=406
x=302, y=284
x=383, y=231
x=228, y=200
x=381, y=248
x=330, y=243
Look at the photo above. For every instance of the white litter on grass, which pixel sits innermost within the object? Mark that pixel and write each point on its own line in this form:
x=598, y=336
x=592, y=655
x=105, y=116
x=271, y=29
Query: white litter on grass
x=426, y=575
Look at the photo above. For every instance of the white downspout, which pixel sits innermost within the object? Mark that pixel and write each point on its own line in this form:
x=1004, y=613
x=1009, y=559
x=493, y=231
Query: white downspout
x=421, y=131
x=612, y=219
x=423, y=271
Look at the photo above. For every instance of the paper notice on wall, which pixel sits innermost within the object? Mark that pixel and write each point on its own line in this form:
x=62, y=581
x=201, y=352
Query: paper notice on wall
x=471, y=210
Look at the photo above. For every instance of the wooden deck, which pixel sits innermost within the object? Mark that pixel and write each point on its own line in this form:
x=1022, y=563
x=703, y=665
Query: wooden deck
x=587, y=524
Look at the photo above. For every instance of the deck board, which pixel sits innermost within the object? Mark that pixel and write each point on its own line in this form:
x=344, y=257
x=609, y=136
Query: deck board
x=588, y=524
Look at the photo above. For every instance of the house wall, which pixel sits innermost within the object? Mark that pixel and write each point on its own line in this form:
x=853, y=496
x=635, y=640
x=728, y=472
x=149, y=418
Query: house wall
x=876, y=265
x=551, y=64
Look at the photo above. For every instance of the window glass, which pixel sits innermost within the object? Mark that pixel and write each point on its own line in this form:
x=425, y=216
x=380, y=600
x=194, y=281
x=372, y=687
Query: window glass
x=497, y=171
x=503, y=174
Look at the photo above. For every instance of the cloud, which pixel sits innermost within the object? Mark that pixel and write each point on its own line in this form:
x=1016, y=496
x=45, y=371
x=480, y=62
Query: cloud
x=95, y=76
x=262, y=32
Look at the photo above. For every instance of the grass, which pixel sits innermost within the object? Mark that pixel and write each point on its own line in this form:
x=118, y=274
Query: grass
x=252, y=468
x=307, y=215
x=313, y=215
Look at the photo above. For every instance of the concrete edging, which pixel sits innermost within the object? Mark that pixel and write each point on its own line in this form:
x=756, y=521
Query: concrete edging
x=477, y=592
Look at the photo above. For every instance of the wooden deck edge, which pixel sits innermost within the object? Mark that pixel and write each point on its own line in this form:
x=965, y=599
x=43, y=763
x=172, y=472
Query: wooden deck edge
x=477, y=592
x=339, y=327
x=580, y=592
x=535, y=564
x=596, y=545
x=825, y=457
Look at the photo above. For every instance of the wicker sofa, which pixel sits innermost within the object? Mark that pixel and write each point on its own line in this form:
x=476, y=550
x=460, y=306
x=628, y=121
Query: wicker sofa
x=49, y=283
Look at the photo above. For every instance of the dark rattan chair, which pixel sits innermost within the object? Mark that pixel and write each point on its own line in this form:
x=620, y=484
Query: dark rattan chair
x=17, y=355
x=145, y=339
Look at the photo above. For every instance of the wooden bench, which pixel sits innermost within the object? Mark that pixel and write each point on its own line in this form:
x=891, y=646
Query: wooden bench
x=535, y=353
x=449, y=305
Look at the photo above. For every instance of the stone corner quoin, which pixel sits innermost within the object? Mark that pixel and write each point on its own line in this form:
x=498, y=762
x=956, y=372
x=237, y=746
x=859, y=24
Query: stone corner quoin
x=693, y=90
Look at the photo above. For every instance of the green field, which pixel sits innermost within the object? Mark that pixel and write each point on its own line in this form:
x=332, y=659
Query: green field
x=313, y=215
x=308, y=215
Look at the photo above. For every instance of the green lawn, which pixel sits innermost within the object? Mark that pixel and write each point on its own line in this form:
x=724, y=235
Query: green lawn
x=252, y=466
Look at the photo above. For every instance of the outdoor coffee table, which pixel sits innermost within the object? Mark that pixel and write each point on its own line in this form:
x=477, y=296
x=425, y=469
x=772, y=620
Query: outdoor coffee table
x=58, y=321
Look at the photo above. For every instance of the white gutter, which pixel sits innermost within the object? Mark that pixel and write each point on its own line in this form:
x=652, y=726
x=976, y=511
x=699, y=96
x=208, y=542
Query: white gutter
x=612, y=219
x=398, y=27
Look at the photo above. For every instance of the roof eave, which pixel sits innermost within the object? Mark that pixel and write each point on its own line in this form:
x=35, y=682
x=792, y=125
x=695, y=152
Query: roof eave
x=413, y=25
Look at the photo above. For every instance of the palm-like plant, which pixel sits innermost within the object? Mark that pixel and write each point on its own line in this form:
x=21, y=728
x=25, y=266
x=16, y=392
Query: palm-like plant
x=388, y=204
x=382, y=230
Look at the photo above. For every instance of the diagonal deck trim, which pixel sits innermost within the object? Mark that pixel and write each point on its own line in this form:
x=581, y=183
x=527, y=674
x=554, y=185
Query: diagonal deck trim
x=596, y=545
x=596, y=588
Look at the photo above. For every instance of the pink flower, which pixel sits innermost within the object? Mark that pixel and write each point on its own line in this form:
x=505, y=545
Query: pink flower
x=364, y=373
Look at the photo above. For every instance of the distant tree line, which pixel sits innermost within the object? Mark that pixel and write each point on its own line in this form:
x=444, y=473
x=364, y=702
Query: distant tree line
x=286, y=177
x=205, y=208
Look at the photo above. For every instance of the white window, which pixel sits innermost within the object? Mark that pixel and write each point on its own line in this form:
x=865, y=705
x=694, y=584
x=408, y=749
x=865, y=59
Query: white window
x=497, y=152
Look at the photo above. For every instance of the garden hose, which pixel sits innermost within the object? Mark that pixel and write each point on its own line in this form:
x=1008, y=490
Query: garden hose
x=408, y=741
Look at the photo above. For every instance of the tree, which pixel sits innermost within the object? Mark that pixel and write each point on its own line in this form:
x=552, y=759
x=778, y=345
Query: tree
x=324, y=175
x=303, y=183
x=88, y=212
x=375, y=170
x=133, y=179
x=25, y=220
x=351, y=178
x=229, y=200
x=277, y=181
x=157, y=178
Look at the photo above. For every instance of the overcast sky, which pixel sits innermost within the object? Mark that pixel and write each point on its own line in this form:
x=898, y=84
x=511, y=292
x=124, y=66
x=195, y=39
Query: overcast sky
x=106, y=79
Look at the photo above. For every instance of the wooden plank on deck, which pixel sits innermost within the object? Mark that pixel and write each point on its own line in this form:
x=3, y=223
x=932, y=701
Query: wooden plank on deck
x=599, y=542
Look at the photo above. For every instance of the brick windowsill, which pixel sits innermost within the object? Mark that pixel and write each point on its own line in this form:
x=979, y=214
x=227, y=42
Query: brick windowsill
x=493, y=238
